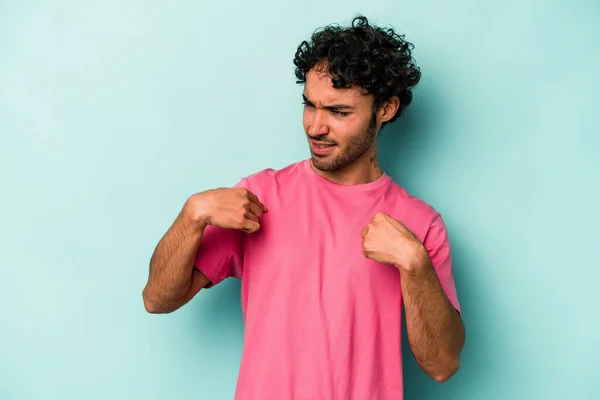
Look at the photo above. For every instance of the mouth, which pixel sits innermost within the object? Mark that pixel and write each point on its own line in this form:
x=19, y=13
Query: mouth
x=321, y=148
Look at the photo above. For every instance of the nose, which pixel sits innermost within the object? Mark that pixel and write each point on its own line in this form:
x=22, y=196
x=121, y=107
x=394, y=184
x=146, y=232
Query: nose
x=318, y=124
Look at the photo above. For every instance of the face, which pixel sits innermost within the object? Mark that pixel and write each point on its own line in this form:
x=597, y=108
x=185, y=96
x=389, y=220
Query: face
x=340, y=123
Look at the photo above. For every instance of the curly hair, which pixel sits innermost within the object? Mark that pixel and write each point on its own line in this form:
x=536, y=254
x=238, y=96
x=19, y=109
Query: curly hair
x=377, y=60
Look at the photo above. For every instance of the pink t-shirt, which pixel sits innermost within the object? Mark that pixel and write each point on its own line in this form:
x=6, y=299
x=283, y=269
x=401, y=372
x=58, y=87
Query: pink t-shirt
x=322, y=322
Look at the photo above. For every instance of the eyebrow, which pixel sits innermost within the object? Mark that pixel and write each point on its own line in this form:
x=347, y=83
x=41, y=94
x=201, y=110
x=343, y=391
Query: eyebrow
x=331, y=107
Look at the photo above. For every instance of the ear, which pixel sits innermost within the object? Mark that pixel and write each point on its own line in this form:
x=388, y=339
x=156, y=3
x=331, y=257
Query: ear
x=388, y=109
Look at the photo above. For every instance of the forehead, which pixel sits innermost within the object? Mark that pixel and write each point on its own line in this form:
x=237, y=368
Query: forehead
x=319, y=89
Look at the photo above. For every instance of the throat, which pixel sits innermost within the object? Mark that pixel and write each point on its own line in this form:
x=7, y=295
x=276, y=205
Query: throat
x=353, y=174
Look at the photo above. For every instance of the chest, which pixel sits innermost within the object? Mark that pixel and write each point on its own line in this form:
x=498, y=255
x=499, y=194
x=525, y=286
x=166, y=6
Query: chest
x=315, y=250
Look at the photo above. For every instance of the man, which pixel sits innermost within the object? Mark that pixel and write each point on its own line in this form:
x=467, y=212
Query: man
x=328, y=249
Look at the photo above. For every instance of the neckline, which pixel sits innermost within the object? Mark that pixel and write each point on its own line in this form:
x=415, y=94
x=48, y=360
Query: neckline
x=360, y=187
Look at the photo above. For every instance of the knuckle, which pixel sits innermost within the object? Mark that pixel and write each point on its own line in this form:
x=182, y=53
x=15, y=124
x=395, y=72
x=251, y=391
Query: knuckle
x=241, y=191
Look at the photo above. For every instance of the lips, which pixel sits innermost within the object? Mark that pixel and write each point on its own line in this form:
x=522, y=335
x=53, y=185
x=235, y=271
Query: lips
x=321, y=148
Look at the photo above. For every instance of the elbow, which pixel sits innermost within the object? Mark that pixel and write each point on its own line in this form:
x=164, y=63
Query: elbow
x=447, y=372
x=440, y=369
x=441, y=378
x=154, y=306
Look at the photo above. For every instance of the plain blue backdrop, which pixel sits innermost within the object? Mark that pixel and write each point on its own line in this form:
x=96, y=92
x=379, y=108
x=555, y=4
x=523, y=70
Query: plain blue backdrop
x=113, y=113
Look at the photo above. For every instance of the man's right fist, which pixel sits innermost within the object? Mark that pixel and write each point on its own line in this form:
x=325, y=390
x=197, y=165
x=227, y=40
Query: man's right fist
x=233, y=208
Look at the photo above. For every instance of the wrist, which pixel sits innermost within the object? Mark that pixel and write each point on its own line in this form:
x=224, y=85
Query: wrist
x=196, y=211
x=418, y=261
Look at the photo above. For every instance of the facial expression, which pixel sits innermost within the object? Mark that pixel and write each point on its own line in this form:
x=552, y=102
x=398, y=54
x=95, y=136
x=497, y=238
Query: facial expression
x=340, y=123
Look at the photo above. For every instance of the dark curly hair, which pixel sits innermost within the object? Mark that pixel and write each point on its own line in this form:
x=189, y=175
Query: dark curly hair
x=377, y=60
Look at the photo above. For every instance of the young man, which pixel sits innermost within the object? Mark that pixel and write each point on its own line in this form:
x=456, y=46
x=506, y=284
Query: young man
x=328, y=249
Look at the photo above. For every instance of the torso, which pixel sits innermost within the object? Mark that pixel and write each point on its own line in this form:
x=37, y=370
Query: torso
x=321, y=320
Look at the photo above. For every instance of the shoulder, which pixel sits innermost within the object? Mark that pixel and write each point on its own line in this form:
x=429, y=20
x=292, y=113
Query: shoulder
x=419, y=215
x=413, y=204
x=269, y=178
x=269, y=175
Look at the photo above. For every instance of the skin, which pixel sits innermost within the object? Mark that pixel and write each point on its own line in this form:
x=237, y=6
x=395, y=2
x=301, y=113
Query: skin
x=345, y=118
x=435, y=330
x=173, y=280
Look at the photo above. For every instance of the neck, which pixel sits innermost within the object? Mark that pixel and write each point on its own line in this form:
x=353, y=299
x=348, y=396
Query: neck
x=364, y=169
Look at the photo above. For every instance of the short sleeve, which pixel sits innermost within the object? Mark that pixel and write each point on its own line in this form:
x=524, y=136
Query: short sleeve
x=221, y=252
x=437, y=244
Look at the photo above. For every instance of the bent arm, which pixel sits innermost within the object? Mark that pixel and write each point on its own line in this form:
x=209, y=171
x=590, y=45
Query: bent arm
x=173, y=281
x=435, y=330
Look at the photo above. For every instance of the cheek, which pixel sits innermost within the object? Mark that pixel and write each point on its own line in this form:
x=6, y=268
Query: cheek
x=347, y=127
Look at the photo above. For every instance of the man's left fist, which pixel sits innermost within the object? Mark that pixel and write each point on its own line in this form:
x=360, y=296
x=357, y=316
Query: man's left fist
x=389, y=241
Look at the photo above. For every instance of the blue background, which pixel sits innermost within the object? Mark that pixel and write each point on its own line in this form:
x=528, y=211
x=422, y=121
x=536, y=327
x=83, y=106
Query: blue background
x=113, y=113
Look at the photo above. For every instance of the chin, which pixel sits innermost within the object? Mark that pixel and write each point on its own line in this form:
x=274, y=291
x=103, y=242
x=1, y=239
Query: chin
x=326, y=164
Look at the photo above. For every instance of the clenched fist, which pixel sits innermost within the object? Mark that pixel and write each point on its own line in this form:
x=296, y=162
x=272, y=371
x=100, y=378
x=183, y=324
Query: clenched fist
x=389, y=241
x=233, y=208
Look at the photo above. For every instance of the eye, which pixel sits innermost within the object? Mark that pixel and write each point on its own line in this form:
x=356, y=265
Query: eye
x=340, y=113
x=307, y=104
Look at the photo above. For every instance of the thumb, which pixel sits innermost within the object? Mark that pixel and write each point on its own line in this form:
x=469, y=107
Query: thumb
x=364, y=231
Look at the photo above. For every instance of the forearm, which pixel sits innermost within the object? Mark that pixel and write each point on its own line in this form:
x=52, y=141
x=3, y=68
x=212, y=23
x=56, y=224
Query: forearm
x=171, y=266
x=435, y=330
